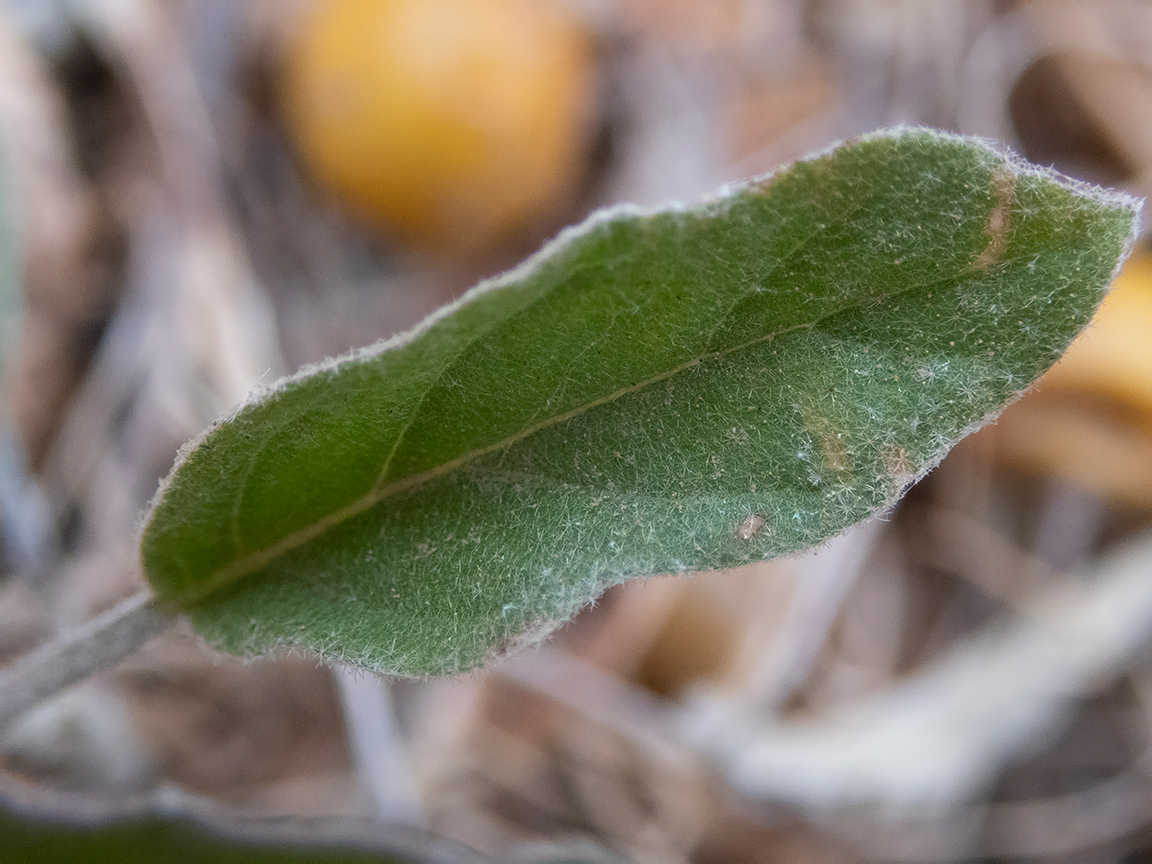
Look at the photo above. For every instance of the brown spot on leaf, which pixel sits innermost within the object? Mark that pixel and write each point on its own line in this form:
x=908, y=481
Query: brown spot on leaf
x=830, y=441
x=996, y=229
x=750, y=527
x=832, y=447
x=529, y=637
x=899, y=466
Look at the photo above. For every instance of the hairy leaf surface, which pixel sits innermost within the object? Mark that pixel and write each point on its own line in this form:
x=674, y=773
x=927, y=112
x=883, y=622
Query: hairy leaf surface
x=655, y=391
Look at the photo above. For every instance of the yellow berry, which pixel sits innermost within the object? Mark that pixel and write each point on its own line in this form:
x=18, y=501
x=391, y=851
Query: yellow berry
x=450, y=123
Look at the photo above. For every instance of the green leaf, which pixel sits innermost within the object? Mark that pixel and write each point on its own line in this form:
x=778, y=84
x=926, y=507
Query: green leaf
x=158, y=840
x=30, y=836
x=655, y=391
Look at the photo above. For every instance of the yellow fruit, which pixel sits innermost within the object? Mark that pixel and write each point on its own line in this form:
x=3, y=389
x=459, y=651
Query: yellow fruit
x=448, y=122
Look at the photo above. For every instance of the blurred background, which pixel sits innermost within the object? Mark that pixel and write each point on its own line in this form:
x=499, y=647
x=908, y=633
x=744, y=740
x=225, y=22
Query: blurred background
x=203, y=195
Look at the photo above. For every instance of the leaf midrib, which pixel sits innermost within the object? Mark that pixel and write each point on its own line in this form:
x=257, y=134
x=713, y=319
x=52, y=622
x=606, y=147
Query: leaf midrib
x=781, y=261
x=252, y=562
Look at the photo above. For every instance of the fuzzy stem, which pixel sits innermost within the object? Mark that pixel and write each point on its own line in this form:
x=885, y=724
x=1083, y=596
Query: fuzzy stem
x=97, y=645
